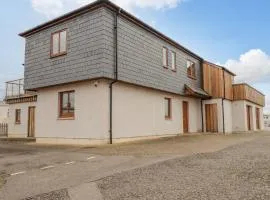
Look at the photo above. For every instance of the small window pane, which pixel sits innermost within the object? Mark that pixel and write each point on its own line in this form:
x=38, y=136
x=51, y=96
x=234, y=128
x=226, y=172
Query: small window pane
x=67, y=108
x=71, y=100
x=63, y=40
x=165, y=57
x=55, y=44
x=173, y=61
x=65, y=100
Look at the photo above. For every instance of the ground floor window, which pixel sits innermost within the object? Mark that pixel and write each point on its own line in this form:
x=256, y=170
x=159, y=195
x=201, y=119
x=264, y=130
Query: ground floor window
x=66, y=104
x=168, y=108
x=18, y=116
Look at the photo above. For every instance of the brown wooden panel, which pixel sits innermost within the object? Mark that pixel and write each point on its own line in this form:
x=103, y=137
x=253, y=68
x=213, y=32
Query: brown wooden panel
x=211, y=118
x=31, y=122
x=248, y=108
x=258, y=121
x=246, y=92
x=185, y=117
x=214, y=81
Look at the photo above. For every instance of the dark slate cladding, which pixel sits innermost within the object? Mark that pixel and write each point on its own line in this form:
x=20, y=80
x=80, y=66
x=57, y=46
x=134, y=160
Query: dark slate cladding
x=90, y=54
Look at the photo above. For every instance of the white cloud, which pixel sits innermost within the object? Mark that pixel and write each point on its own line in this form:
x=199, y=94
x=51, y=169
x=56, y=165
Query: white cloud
x=53, y=8
x=252, y=66
x=50, y=8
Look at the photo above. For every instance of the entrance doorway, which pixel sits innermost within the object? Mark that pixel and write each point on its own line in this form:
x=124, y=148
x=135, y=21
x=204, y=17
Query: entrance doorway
x=211, y=118
x=31, y=121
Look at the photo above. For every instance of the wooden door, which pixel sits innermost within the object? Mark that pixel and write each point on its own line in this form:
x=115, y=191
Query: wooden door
x=31, y=122
x=211, y=118
x=258, y=124
x=249, y=117
x=185, y=117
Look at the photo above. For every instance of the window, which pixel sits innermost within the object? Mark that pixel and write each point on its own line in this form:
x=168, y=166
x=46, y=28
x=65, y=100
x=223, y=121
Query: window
x=168, y=108
x=66, y=104
x=59, y=43
x=173, y=61
x=165, y=57
x=18, y=116
x=191, y=72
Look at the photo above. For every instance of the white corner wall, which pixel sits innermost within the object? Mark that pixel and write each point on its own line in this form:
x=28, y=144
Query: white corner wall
x=139, y=112
x=91, y=113
x=19, y=130
x=4, y=113
x=240, y=116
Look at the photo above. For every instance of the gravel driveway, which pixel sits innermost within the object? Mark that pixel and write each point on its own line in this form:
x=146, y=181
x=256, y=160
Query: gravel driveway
x=238, y=172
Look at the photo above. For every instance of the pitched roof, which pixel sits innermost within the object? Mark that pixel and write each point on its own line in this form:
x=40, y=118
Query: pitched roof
x=106, y=3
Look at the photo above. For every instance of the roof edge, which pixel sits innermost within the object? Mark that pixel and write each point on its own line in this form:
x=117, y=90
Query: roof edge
x=115, y=8
x=250, y=87
x=224, y=68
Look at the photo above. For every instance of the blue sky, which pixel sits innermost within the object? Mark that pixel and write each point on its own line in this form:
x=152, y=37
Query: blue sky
x=229, y=32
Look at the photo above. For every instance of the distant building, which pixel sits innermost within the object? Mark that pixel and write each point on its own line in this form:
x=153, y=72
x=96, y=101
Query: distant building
x=3, y=112
x=266, y=119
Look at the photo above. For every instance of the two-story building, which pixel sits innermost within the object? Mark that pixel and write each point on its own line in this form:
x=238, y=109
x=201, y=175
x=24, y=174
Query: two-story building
x=99, y=74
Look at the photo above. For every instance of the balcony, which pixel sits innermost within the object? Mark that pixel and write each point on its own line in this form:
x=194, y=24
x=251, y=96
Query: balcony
x=244, y=91
x=15, y=89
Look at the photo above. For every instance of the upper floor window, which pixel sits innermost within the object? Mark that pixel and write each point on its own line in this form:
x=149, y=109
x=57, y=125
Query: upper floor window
x=165, y=57
x=191, y=71
x=18, y=116
x=66, y=104
x=59, y=43
x=168, y=108
x=173, y=61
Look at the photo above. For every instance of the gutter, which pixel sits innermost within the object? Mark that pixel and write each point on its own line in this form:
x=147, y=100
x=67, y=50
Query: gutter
x=223, y=115
x=115, y=73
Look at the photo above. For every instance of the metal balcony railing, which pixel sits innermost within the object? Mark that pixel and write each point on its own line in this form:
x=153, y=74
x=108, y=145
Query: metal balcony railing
x=15, y=89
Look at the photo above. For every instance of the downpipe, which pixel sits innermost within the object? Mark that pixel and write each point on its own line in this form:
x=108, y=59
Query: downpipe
x=115, y=73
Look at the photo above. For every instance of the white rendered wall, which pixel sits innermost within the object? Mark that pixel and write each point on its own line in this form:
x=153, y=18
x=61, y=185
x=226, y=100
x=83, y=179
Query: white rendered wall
x=19, y=130
x=240, y=116
x=91, y=112
x=3, y=112
x=139, y=112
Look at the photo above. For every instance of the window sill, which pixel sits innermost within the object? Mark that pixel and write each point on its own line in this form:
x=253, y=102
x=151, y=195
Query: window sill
x=17, y=123
x=166, y=67
x=66, y=118
x=58, y=55
x=173, y=70
x=168, y=118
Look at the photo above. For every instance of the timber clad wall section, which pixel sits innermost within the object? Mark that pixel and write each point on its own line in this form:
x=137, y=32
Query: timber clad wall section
x=211, y=113
x=246, y=92
x=214, y=81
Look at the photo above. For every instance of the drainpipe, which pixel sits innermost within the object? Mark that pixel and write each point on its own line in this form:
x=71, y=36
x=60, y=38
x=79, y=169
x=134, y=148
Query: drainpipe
x=202, y=83
x=115, y=73
x=202, y=115
x=223, y=115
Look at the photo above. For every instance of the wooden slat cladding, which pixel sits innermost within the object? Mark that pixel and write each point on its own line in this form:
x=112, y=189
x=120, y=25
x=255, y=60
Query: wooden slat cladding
x=214, y=81
x=211, y=118
x=228, y=85
x=246, y=92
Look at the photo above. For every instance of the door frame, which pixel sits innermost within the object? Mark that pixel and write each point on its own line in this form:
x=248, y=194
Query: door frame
x=258, y=121
x=28, y=122
x=248, y=117
x=211, y=117
x=185, y=115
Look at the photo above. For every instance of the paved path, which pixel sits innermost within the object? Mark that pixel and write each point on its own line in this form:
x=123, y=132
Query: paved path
x=238, y=172
x=69, y=173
